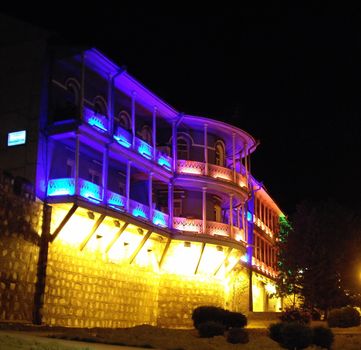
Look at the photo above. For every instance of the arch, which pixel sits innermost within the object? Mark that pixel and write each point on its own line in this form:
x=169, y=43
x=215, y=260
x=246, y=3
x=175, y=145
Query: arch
x=123, y=120
x=183, y=145
x=146, y=134
x=73, y=86
x=100, y=105
x=220, y=155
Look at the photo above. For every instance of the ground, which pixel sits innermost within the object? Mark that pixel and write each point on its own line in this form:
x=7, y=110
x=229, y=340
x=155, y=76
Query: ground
x=22, y=337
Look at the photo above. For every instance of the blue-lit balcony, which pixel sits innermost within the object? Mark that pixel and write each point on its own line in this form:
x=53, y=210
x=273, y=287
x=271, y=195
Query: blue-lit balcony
x=94, y=193
x=96, y=120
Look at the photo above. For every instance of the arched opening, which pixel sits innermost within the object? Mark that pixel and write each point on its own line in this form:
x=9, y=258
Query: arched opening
x=182, y=148
x=220, y=153
x=122, y=120
x=100, y=106
x=146, y=134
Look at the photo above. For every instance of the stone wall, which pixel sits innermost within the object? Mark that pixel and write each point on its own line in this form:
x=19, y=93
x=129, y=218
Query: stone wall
x=84, y=289
x=20, y=227
x=180, y=295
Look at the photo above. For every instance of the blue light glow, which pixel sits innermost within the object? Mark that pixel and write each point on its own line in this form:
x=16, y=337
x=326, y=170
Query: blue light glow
x=94, y=119
x=61, y=187
x=144, y=149
x=90, y=190
x=116, y=200
x=159, y=219
x=249, y=216
x=163, y=161
x=123, y=137
x=139, y=212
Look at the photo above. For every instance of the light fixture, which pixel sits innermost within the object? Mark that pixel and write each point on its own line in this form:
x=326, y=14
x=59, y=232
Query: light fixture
x=187, y=244
x=125, y=244
x=140, y=231
x=91, y=215
x=219, y=248
x=98, y=236
x=149, y=250
x=116, y=223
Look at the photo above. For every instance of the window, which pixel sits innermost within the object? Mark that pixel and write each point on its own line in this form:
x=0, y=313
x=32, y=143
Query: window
x=220, y=155
x=123, y=120
x=94, y=176
x=146, y=134
x=70, y=168
x=182, y=148
x=73, y=87
x=177, y=207
x=217, y=212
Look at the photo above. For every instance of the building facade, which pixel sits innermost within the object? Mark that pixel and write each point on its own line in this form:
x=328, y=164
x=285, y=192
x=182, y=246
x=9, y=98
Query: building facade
x=142, y=212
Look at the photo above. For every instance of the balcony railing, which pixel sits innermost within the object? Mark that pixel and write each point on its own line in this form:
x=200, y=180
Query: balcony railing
x=212, y=228
x=95, y=119
x=94, y=193
x=215, y=171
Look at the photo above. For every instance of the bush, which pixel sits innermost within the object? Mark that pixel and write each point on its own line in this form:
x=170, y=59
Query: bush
x=344, y=317
x=210, y=329
x=237, y=336
x=203, y=314
x=212, y=313
x=295, y=335
x=275, y=331
x=323, y=337
x=234, y=320
x=295, y=315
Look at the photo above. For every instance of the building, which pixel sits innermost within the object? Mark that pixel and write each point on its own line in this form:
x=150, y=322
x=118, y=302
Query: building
x=132, y=212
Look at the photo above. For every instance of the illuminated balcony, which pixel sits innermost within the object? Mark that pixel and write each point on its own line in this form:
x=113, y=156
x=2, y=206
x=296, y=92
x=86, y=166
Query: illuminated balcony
x=94, y=193
x=212, y=228
x=96, y=120
x=217, y=172
x=264, y=268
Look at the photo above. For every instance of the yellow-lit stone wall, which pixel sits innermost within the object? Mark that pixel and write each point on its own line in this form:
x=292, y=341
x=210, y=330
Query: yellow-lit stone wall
x=238, y=291
x=20, y=226
x=84, y=289
x=180, y=295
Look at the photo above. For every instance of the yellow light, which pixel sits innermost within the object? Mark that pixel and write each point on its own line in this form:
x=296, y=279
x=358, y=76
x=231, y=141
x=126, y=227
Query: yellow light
x=270, y=288
x=211, y=259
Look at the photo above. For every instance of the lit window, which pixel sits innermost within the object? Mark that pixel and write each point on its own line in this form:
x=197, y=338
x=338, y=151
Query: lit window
x=220, y=155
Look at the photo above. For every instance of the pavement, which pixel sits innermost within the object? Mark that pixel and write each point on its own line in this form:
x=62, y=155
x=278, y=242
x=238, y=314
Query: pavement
x=41, y=338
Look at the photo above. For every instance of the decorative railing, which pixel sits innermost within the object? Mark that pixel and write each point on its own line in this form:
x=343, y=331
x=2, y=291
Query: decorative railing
x=219, y=172
x=143, y=148
x=160, y=219
x=138, y=209
x=217, y=228
x=90, y=190
x=95, y=119
x=215, y=171
x=116, y=200
x=164, y=160
x=262, y=225
x=261, y=266
x=123, y=137
x=191, y=167
x=188, y=225
x=61, y=187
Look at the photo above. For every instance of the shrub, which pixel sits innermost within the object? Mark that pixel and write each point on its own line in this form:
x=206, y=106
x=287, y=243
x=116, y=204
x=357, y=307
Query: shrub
x=295, y=335
x=275, y=331
x=344, y=317
x=210, y=329
x=237, y=336
x=316, y=315
x=323, y=337
x=234, y=320
x=212, y=313
x=203, y=314
x=295, y=315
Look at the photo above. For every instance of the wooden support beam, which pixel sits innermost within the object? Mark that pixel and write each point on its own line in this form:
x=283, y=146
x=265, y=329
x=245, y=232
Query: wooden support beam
x=224, y=260
x=200, y=258
x=140, y=246
x=116, y=237
x=228, y=272
x=63, y=222
x=92, y=231
x=165, y=250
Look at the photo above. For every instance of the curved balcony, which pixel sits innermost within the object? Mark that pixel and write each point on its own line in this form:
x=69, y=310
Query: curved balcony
x=192, y=167
x=212, y=228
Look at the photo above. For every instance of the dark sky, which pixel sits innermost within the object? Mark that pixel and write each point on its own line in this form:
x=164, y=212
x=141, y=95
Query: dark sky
x=288, y=75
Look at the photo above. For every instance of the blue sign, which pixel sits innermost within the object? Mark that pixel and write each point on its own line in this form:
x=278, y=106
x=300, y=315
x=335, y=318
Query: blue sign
x=16, y=138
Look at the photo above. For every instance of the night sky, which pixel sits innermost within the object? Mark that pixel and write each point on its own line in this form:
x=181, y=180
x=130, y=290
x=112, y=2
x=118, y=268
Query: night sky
x=290, y=76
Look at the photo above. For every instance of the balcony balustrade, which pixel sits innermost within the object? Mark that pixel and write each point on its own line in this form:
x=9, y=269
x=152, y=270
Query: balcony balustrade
x=94, y=193
x=215, y=171
x=262, y=226
x=95, y=119
x=261, y=266
x=212, y=228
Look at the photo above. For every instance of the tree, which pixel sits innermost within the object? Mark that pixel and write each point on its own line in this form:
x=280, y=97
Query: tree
x=313, y=254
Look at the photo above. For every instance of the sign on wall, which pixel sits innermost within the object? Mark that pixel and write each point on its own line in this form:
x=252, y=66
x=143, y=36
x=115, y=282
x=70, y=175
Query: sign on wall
x=16, y=138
